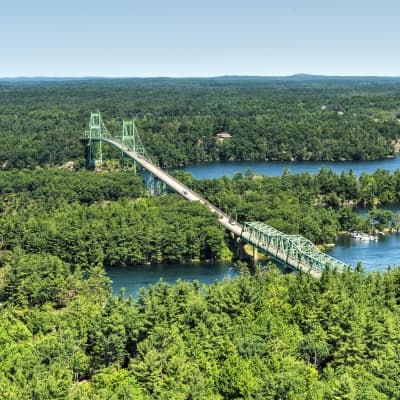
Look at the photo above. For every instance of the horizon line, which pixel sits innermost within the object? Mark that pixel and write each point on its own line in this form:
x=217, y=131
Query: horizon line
x=296, y=75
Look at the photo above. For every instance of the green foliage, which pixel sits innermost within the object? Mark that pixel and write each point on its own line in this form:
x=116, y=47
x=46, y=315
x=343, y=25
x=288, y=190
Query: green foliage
x=41, y=122
x=35, y=279
x=267, y=336
x=50, y=187
x=124, y=232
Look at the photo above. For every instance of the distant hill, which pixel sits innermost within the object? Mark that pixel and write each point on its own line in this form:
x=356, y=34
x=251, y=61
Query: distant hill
x=295, y=77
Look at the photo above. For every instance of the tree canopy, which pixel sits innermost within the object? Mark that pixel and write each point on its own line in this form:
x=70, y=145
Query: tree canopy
x=41, y=122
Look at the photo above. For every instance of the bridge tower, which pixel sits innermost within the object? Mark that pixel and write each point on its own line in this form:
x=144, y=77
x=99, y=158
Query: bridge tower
x=130, y=137
x=94, y=149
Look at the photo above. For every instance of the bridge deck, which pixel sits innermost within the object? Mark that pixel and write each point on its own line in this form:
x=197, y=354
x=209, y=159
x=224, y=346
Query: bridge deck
x=293, y=251
x=183, y=190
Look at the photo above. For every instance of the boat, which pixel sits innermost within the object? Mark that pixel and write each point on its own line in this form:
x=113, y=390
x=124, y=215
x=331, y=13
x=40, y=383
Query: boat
x=363, y=236
x=354, y=234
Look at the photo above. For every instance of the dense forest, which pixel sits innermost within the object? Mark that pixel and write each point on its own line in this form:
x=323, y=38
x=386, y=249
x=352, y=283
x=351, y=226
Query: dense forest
x=261, y=336
x=264, y=334
x=269, y=336
x=278, y=119
x=88, y=218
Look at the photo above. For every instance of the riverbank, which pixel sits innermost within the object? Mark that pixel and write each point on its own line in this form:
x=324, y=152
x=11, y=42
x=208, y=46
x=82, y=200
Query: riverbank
x=373, y=255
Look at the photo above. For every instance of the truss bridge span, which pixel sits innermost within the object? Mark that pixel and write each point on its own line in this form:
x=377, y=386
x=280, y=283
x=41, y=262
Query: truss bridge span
x=292, y=251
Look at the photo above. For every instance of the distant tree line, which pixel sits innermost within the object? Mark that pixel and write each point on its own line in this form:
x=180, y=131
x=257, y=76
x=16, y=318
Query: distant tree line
x=41, y=122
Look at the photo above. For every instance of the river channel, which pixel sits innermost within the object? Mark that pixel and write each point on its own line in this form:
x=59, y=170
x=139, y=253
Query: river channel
x=276, y=168
x=374, y=255
x=138, y=276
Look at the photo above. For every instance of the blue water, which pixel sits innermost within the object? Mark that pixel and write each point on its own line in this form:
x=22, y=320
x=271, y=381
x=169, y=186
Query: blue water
x=135, y=277
x=374, y=255
x=276, y=168
x=363, y=211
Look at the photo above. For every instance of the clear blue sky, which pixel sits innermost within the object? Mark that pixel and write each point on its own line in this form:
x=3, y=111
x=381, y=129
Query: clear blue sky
x=199, y=38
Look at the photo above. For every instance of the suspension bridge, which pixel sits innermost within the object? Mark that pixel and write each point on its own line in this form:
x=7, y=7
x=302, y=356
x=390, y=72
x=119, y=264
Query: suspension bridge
x=292, y=251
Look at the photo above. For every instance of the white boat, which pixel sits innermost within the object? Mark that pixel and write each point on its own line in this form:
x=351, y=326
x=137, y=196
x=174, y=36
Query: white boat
x=355, y=234
x=363, y=236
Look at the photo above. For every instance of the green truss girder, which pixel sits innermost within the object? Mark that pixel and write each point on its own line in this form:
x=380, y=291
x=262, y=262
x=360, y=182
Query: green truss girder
x=294, y=251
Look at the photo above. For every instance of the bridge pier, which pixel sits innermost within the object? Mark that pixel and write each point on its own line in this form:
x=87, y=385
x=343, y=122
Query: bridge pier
x=238, y=247
x=250, y=256
x=255, y=256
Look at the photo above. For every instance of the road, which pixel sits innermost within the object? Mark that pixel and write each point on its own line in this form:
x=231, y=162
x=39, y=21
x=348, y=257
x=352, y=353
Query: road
x=183, y=190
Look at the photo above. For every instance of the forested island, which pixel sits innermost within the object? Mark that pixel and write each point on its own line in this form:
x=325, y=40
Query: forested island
x=262, y=335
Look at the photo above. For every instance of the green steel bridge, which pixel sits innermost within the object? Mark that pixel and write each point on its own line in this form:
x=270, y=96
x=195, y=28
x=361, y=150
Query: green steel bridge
x=292, y=251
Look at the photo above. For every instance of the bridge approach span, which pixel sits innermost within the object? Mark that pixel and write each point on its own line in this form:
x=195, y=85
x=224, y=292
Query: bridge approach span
x=180, y=188
x=293, y=251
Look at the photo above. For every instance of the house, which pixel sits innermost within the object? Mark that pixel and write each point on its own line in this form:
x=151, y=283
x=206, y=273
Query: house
x=222, y=136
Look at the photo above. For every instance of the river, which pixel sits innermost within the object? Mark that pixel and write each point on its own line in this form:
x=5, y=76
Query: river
x=373, y=255
x=276, y=168
x=135, y=277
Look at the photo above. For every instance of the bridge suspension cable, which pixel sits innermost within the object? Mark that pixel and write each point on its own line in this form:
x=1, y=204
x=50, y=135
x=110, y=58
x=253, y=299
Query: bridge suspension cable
x=293, y=251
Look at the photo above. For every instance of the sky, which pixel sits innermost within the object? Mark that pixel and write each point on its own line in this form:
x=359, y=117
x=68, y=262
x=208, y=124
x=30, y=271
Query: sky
x=176, y=38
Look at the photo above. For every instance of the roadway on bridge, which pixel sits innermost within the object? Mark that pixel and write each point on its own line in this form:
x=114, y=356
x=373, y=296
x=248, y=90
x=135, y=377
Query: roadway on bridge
x=309, y=260
x=230, y=224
